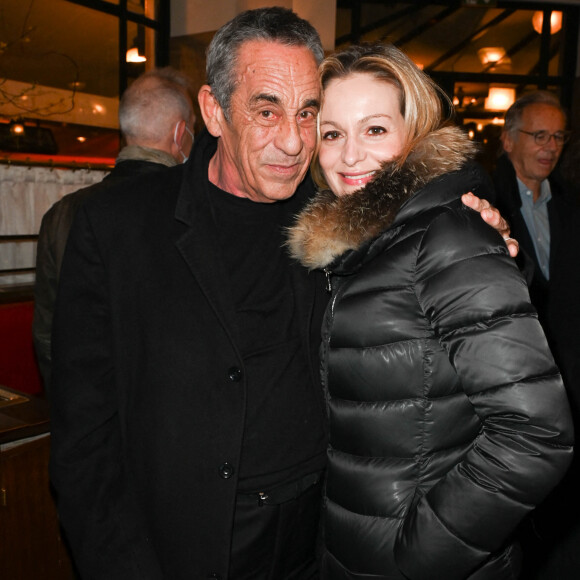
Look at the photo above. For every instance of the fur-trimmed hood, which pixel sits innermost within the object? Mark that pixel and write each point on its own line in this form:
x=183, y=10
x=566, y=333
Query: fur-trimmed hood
x=330, y=225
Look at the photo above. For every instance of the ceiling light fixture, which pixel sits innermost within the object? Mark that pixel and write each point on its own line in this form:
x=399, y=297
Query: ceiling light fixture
x=555, y=21
x=500, y=99
x=16, y=128
x=77, y=85
x=491, y=55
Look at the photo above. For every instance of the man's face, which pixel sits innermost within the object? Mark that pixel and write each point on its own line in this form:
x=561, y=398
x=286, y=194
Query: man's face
x=533, y=163
x=264, y=150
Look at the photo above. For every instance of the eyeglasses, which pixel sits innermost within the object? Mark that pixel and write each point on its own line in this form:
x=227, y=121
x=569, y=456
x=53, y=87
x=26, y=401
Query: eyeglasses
x=543, y=137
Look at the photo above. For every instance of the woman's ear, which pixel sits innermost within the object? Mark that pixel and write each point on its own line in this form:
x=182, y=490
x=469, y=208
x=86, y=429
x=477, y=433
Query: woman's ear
x=211, y=111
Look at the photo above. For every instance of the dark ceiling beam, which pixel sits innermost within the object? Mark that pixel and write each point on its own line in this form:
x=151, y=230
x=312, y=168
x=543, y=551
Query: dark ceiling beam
x=379, y=23
x=499, y=78
x=570, y=54
x=357, y=31
x=459, y=47
x=538, y=67
x=429, y=23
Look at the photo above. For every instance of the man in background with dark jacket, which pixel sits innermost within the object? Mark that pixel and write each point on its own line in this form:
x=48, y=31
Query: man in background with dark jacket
x=545, y=219
x=156, y=120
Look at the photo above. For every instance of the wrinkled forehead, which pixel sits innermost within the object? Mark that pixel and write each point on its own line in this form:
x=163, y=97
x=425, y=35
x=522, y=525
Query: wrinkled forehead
x=288, y=73
x=542, y=116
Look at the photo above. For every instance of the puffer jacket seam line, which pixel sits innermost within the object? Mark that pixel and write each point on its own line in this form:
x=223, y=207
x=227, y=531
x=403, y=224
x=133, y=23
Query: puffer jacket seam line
x=487, y=321
x=453, y=532
x=377, y=346
x=373, y=516
x=525, y=381
x=492, y=252
x=337, y=562
x=409, y=457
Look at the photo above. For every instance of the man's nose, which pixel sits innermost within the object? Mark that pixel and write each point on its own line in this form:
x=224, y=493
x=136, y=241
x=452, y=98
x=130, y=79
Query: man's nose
x=289, y=139
x=552, y=144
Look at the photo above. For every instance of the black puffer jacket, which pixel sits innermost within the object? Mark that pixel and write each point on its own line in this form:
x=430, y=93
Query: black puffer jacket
x=448, y=417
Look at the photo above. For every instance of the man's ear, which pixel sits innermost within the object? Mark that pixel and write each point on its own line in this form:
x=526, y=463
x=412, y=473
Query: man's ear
x=507, y=142
x=176, y=139
x=179, y=131
x=211, y=111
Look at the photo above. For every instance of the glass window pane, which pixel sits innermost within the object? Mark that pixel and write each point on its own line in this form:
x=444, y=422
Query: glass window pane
x=61, y=64
x=60, y=59
x=140, y=53
x=148, y=8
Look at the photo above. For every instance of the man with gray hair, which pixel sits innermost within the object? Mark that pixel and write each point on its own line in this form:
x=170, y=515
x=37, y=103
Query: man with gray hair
x=156, y=114
x=188, y=430
x=540, y=211
x=545, y=218
x=156, y=120
x=188, y=422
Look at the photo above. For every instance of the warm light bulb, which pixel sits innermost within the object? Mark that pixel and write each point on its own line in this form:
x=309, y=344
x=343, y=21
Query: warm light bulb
x=491, y=54
x=555, y=21
x=133, y=56
x=17, y=128
x=500, y=99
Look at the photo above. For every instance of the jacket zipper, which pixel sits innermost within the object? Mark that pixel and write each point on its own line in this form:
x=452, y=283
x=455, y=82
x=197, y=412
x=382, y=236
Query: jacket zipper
x=327, y=273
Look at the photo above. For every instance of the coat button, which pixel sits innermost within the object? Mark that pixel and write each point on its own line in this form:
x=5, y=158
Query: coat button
x=235, y=374
x=226, y=470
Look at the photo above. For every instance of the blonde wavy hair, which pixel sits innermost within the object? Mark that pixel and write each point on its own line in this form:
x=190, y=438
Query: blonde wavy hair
x=420, y=98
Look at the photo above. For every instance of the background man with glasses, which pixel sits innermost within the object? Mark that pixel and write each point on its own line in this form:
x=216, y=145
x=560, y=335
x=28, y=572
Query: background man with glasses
x=545, y=219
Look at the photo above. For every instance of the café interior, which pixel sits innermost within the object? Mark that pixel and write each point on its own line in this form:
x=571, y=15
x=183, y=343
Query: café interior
x=64, y=65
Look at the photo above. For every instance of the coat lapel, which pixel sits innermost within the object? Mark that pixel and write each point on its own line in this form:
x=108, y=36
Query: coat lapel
x=199, y=245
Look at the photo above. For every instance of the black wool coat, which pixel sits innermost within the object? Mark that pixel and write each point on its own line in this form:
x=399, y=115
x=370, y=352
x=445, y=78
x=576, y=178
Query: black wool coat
x=54, y=230
x=149, y=391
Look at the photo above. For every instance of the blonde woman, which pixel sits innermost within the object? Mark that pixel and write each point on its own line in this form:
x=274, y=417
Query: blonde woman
x=448, y=418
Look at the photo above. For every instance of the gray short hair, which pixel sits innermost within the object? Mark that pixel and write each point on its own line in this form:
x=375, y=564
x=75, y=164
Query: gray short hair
x=273, y=24
x=513, y=116
x=153, y=102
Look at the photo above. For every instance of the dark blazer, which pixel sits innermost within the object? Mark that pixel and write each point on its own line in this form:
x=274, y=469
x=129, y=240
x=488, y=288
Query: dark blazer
x=148, y=390
x=52, y=238
x=555, y=300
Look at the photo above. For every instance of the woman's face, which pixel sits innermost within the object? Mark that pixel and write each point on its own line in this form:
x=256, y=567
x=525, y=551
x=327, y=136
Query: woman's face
x=361, y=127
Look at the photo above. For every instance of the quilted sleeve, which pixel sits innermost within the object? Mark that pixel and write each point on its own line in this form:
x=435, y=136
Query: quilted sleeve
x=478, y=306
